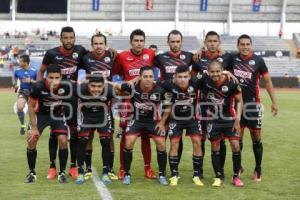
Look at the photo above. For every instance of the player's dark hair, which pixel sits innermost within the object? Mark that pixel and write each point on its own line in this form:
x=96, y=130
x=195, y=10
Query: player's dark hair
x=181, y=69
x=175, y=32
x=215, y=62
x=98, y=35
x=154, y=46
x=137, y=32
x=67, y=29
x=244, y=36
x=25, y=58
x=53, y=68
x=209, y=33
x=96, y=78
x=145, y=68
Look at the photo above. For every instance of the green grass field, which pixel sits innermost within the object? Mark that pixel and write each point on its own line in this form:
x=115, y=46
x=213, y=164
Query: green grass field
x=281, y=177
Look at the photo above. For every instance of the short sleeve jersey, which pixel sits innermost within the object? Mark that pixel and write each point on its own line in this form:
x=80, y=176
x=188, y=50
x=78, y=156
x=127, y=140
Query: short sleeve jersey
x=23, y=75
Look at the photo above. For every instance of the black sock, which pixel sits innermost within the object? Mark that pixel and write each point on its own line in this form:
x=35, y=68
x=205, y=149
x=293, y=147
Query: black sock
x=241, y=145
x=162, y=162
x=31, y=159
x=236, y=160
x=73, y=149
x=21, y=116
x=203, y=147
x=105, y=143
x=258, y=152
x=180, y=149
x=197, y=165
x=111, y=161
x=81, y=154
x=127, y=154
x=215, y=158
x=63, y=158
x=52, y=150
x=88, y=159
x=222, y=155
x=173, y=162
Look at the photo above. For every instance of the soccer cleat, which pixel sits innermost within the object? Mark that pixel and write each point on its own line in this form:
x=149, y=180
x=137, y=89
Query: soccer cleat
x=236, y=181
x=127, y=180
x=162, y=180
x=217, y=182
x=80, y=179
x=30, y=178
x=88, y=174
x=173, y=181
x=51, y=173
x=73, y=172
x=256, y=177
x=112, y=175
x=150, y=174
x=22, y=129
x=105, y=179
x=197, y=181
x=62, y=177
x=121, y=174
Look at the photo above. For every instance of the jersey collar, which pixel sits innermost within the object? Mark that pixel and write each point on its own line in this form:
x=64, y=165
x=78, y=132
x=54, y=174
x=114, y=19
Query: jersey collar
x=98, y=57
x=64, y=51
x=173, y=54
x=211, y=56
x=246, y=58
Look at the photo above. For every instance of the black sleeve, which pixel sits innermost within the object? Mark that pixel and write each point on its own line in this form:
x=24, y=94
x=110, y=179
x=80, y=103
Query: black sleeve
x=126, y=87
x=262, y=67
x=166, y=85
x=48, y=58
x=227, y=62
x=35, y=91
x=109, y=92
x=83, y=52
x=156, y=62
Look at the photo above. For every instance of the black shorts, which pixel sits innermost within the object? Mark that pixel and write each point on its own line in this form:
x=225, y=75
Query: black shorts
x=217, y=131
x=103, y=127
x=58, y=126
x=23, y=94
x=193, y=127
x=142, y=127
x=252, y=115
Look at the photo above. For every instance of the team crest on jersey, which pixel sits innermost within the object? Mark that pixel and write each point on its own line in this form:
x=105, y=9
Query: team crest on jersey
x=190, y=89
x=107, y=59
x=153, y=97
x=224, y=89
x=61, y=91
x=220, y=59
x=252, y=62
x=182, y=57
x=75, y=55
x=242, y=80
x=146, y=57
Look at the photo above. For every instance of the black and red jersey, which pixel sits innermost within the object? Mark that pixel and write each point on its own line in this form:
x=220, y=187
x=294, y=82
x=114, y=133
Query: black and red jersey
x=69, y=61
x=94, y=108
x=206, y=59
x=102, y=64
x=219, y=97
x=50, y=100
x=129, y=64
x=248, y=71
x=169, y=61
x=146, y=105
x=184, y=101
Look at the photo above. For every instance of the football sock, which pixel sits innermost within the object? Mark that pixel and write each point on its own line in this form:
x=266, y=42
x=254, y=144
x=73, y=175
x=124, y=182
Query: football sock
x=52, y=144
x=63, y=158
x=173, y=162
x=236, y=160
x=162, y=162
x=215, y=158
x=31, y=158
x=197, y=165
x=222, y=154
x=105, y=143
x=258, y=152
x=88, y=158
x=127, y=154
x=21, y=117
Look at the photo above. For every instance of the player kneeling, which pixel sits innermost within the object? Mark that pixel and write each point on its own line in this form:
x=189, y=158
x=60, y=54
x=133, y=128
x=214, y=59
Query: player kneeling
x=224, y=121
x=48, y=94
x=146, y=98
x=95, y=97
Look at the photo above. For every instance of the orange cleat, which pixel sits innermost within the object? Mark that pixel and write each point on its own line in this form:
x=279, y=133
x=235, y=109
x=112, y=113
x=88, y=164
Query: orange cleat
x=73, y=172
x=150, y=174
x=121, y=174
x=51, y=173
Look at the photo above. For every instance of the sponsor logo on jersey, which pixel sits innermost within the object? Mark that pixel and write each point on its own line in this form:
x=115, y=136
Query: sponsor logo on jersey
x=213, y=99
x=190, y=89
x=69, y=70
x=143, y=106
x=170, y=69
x=44, y=93
x=107, y=59
x=242, y=74
x=91, y=60
x=224, y=89
x=61, y=91
x=75, y=55
x=58, y=58
x=129, y=58
x=104, y=73
x=134, y=72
